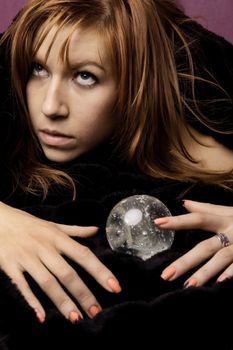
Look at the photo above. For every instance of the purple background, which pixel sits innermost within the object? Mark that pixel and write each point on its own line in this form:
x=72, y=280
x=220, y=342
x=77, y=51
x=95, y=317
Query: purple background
x=216, y=15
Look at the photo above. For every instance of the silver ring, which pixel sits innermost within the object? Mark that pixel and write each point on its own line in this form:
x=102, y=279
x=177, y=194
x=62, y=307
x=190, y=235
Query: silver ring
x=223, y=239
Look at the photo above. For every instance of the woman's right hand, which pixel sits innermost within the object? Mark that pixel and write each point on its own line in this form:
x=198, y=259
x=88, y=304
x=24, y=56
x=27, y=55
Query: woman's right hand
x=29, y=244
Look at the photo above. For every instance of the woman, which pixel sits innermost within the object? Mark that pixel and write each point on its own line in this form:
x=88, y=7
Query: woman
x=132, y=74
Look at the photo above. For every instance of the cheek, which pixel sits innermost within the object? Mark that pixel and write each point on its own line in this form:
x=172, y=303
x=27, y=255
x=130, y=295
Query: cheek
x=95, y=108
x=98, y=124
x=102, y=115
x=33, y=101
x=104, y=104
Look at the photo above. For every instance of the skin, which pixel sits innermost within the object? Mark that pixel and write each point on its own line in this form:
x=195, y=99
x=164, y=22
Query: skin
x=71, y=108
x=207, y=151
x=74, y=103
x=209, y=217
x=71, y=113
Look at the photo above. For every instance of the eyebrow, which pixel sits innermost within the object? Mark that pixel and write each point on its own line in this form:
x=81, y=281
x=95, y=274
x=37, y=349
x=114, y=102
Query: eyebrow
x=77, y=64
x=74, y=65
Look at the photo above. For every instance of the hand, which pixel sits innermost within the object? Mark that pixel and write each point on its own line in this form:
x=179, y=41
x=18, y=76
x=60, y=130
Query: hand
x=216, y=258
x=34, y=245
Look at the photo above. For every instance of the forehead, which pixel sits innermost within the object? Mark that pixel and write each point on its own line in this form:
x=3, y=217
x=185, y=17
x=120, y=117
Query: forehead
x=72, y=45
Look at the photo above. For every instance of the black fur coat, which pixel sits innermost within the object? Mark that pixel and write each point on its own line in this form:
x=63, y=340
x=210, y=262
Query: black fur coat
x=149, y=312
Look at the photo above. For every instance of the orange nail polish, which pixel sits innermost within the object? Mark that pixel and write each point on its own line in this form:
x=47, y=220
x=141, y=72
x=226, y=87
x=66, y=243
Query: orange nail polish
x=161, y=221
x=39, y=316
x=222, y=278
x=94, y=310
x=74, y=316
x=114, y=285
x=193, y=282
x=168, y=273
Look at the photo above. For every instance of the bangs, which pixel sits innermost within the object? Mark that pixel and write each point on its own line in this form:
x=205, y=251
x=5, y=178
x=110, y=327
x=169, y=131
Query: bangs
x=57, y=24
x=38, y=18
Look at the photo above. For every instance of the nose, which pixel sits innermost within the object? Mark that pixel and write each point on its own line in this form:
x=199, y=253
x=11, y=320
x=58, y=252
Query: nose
x=55, y=103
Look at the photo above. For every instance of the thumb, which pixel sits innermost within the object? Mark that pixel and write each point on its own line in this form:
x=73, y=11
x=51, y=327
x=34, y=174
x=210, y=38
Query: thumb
x=78, y=231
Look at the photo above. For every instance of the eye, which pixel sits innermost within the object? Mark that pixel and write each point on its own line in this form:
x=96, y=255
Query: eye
x=38, y=70
x=86, y=79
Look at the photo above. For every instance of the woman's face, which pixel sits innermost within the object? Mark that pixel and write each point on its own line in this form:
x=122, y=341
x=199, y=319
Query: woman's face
x=71, y=106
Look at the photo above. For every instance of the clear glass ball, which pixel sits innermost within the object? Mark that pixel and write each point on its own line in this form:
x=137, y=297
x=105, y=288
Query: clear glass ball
x=130, y=227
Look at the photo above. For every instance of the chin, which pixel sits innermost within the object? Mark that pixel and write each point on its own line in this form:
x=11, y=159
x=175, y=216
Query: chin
x=60, y=157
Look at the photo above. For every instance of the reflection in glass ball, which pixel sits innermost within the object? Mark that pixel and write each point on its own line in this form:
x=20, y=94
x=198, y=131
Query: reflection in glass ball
x=130, y=227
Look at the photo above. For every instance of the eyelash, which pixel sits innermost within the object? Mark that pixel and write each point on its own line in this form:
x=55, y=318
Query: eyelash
x=89, y=76
x=37, y=68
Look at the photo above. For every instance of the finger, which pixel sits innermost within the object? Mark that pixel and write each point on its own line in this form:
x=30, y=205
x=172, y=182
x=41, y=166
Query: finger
x=79, y=231
x=200, y=253
x=208, y=208
x=202, y=221
x=54, y=291
x=72, y=282
x=226, y=274
x=19, y=280
x=222, y=259
x=83, y=256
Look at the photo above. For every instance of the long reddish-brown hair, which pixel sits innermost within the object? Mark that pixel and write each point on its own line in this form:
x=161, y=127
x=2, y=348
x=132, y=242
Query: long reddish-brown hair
x=143, y=39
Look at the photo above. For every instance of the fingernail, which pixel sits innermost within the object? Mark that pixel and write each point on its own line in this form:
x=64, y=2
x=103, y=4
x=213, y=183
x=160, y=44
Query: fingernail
x=161, y=221
x=168, y=273
x=75, y=317
x=193, y=282
x=186, y=201
x=94, y=310
x=222, y=278
x=39, y=316
x=114, y=285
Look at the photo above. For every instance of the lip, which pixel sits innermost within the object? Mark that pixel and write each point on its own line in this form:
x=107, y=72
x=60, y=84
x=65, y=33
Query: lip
x=55, y=138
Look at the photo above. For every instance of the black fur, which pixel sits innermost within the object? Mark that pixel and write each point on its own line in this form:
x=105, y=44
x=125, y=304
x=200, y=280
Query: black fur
x=149, y=312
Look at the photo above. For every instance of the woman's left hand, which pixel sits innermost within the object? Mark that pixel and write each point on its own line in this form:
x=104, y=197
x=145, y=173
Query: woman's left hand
x=216, y=253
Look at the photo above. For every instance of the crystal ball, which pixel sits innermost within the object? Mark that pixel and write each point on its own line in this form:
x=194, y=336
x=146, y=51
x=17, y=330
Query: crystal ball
x=130, y=227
